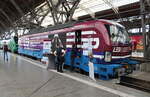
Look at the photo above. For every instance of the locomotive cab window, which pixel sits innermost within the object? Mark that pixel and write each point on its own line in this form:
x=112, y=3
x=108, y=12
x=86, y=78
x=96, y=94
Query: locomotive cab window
x=117, y=34
x=16, y=39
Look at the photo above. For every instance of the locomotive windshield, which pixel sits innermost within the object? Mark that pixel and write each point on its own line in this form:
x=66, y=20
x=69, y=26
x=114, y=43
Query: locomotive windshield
x=118, y=34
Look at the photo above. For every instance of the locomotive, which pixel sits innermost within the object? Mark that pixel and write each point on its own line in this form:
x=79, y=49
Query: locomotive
x=1, y=44
x=107, y=41
x=13, y=44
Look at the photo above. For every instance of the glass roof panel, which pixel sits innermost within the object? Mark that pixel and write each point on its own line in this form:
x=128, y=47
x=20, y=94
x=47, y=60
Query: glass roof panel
x=98, y=5
x=90, y=7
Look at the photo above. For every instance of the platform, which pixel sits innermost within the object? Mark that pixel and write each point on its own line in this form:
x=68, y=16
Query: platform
x=141, y=75
x=139, y=80
x=24, y=77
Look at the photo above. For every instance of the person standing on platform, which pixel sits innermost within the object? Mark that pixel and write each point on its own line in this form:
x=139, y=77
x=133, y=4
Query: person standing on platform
x=73, y=56
x=90, y=64
x=59, y=53
x=91, y=67
x=5, y=49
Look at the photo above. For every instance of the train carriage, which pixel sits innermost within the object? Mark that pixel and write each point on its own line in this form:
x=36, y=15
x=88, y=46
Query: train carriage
x=107, y=42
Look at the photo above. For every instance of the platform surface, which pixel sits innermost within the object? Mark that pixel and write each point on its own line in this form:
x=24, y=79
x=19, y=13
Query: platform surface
x=141, y=75
x=22, y=77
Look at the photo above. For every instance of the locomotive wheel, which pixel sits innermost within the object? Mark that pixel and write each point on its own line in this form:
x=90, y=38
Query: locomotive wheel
x=130, y=69
x=82, y=71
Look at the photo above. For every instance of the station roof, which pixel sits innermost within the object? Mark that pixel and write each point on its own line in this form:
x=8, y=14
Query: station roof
x=103, y=9
x=12, y=10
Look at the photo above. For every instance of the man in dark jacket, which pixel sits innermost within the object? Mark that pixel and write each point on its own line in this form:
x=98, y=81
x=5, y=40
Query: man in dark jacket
x=59, y=53
x=5, y=49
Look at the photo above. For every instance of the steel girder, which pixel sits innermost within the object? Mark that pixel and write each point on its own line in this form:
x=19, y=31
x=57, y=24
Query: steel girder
x=11, y=10
x=33, y=19
x=62, y=10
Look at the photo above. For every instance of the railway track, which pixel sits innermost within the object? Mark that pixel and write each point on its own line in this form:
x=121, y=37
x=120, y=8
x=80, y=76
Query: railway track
x=135, y=83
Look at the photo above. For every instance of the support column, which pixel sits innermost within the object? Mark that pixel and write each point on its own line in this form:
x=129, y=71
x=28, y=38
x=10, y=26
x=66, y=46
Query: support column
x=142, y=6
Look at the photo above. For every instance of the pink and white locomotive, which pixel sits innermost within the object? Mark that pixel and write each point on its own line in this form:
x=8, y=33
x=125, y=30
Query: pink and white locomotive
x=106, y=41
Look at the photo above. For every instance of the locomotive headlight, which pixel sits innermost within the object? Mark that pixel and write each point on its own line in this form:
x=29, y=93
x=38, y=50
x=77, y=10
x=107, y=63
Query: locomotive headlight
x=107, y=57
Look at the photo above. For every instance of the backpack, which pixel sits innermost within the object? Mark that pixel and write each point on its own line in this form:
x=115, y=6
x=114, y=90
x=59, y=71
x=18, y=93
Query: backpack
x=5, y=48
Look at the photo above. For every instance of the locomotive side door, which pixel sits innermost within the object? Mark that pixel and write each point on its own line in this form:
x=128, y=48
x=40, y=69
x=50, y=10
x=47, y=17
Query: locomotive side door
x=78, y=42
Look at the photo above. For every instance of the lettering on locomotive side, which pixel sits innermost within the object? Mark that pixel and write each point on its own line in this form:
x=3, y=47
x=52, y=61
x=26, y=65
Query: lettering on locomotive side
x=116, y=49
x=121, y=49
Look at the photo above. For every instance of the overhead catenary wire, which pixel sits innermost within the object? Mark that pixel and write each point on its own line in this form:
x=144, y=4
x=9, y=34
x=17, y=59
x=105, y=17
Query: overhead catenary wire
x=115, y=9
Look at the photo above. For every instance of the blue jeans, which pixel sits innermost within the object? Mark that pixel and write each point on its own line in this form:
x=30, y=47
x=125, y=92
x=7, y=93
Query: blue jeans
x=5, y=55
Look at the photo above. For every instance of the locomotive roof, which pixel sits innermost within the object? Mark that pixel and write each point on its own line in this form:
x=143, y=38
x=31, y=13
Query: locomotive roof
x=69, y=25
x=112, y=22
x=104, y=21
